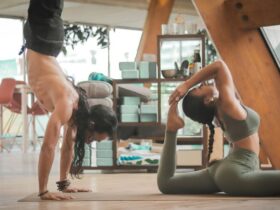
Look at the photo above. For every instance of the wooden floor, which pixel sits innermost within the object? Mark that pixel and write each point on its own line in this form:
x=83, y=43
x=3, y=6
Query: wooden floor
x=18, y=179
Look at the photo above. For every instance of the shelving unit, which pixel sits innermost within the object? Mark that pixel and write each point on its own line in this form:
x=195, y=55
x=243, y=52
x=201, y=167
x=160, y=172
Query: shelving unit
x=182, y=42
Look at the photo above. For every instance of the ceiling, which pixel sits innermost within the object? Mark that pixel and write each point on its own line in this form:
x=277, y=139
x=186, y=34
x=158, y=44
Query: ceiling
x=115, y=13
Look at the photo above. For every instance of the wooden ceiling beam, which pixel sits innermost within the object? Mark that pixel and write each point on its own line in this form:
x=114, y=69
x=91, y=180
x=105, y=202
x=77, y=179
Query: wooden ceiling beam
x=158, y=13
x=252, y=14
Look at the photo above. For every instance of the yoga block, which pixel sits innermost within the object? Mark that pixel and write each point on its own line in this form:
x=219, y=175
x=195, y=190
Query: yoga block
x=129, y=118
x=104, y=161
x=130, y=100
x=148, y=118
x=87, y=157
x=86, y=162
x=130, y=74
x=128, y=65
x=148, y=69
x=154, y=97
x=129, y=109
x=104, y=153
x=148, y=109
x=93, y=157
x=106, y=145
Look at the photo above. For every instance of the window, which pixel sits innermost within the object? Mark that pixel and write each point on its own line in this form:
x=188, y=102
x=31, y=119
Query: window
x=123, y=47
x=11, y=40
x=84, y=59
x=89, y=57
x=272, y=36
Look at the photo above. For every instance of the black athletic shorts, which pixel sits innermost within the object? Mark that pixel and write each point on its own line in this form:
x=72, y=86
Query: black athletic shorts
x=43, y=30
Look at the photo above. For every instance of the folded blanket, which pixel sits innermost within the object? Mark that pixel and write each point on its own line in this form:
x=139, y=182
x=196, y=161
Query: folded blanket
x=96, y=89
x=131, y=90
x=138, y=160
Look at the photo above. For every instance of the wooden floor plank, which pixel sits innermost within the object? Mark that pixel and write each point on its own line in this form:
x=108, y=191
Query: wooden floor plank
x=18, y=179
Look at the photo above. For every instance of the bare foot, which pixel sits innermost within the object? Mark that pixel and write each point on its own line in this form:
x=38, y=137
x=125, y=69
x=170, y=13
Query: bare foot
x=174, y=122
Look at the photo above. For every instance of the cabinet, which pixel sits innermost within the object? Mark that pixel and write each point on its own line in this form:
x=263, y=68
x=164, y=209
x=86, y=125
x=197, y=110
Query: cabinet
x=171, y=49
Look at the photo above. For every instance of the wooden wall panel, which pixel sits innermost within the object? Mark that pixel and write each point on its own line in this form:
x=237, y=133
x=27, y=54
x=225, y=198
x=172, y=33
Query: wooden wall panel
x=254, y=71
x=158, y=13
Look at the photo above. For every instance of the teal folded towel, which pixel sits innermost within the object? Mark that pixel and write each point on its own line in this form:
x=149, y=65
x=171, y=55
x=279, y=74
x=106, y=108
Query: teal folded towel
x=99, y=77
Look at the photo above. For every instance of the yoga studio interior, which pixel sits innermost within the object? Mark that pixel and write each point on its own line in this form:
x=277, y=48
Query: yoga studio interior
x=131, y=61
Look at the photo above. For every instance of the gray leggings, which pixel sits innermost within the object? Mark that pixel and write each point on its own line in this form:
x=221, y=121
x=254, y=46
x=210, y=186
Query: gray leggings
x=238, y=174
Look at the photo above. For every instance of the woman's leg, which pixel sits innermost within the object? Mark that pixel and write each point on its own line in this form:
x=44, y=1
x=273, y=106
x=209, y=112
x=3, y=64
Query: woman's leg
x=261, y=183
x=197, y=182
x=240, y=175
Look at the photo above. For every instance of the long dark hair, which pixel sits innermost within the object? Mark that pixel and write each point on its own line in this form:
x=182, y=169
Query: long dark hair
x=195, y=108
x=80, y=119
x=98, y=118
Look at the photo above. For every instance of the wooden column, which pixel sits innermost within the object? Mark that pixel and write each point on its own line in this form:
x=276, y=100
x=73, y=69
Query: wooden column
x=158, y=13
x=254, y=71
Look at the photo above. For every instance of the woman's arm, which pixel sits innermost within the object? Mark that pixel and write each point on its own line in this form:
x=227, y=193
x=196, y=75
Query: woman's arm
x=62, y=113
x=67, y=152
x=217, y=71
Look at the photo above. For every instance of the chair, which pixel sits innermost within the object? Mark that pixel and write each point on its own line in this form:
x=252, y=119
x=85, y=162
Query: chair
x=35, y=110
x=12, y=101
x=7, y=89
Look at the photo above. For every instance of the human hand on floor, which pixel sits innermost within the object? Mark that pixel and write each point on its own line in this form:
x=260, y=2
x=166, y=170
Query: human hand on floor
x=76, y=189
x=58, y=196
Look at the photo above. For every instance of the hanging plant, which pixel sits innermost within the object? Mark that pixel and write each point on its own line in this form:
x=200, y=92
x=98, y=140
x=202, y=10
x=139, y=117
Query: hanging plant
x=78, y=34
x=211, y=53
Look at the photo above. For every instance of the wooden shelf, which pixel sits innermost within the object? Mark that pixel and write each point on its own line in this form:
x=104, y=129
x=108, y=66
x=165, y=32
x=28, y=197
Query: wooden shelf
x=159, y=81
x=180, y=140
x=138, y=124
x=182, y=37
x=184, y=140
x=125, y=81
x=173, y=80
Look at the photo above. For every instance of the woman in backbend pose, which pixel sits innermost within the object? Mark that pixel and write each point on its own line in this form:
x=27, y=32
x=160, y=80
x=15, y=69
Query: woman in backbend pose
x=44, y=36
x=238, y=173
